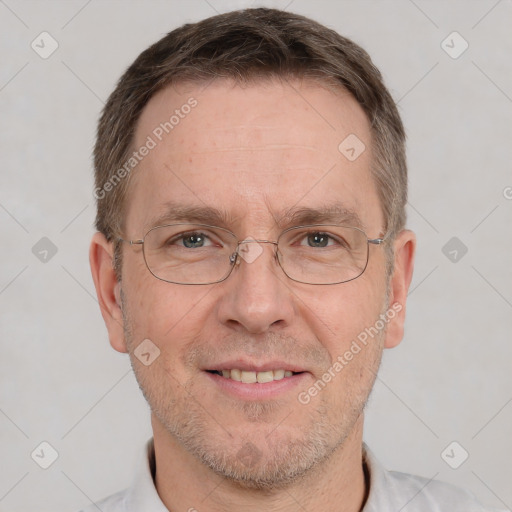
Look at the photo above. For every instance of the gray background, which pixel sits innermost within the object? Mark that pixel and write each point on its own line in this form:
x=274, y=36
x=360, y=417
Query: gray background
x=450, y=379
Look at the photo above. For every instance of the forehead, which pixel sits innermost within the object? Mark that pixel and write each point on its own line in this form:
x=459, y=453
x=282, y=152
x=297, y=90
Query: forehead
x=253, y=151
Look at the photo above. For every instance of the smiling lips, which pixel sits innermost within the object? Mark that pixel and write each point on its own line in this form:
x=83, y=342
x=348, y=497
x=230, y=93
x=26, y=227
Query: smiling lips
x=251, y=377
x=252, y=380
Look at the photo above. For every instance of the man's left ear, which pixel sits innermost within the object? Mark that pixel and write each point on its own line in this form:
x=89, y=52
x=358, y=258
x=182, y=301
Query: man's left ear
x=405, y=248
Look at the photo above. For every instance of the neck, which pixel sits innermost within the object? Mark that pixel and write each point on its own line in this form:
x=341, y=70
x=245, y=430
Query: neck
x=184, y=483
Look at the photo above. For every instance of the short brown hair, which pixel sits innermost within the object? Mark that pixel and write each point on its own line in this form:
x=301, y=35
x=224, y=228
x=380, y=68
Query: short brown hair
x=246, y=45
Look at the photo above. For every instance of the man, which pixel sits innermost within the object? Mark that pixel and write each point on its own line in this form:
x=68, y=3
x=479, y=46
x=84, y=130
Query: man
x=252, y=260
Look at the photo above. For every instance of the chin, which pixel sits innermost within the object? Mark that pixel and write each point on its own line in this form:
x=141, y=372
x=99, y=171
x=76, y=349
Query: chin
x=258, y=456
x=264, y=468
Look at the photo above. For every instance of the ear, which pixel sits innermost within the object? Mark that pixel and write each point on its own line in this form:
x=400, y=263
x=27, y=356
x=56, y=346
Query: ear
x=405, y=248
x=108, y=289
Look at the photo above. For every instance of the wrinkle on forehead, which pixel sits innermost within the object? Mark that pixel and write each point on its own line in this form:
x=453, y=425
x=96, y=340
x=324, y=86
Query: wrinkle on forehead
x=264, y=147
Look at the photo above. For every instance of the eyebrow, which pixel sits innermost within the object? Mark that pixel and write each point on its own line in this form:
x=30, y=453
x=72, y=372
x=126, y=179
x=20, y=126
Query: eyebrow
x=179, y=212
x=332, y=213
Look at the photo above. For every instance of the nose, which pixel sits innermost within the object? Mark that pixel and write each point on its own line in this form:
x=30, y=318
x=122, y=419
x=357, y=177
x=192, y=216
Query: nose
x=256, y=296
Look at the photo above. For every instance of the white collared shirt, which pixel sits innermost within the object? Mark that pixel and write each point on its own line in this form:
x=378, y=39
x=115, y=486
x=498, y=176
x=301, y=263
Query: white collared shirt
x=389, y=492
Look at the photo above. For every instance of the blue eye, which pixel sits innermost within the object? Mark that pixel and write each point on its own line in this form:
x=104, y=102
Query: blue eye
x=322, y=239
x=318, y=239
x=194, y=240
x=190, y=240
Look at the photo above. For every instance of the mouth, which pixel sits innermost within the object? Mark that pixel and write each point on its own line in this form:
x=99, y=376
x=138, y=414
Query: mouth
x=253, y=377
x=256, y=381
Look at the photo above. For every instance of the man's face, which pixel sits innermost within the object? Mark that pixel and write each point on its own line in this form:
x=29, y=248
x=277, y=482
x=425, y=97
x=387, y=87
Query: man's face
x=254, y=153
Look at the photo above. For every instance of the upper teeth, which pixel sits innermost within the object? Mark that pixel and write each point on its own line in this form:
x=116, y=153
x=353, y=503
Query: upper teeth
x=248, y=377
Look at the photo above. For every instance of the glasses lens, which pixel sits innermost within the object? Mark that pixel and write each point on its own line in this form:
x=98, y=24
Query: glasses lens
x=189, y=253
x=323, y=254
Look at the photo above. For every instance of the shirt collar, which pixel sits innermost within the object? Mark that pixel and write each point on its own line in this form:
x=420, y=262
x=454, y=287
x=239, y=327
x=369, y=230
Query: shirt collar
x=382, y=494
x=142, y=494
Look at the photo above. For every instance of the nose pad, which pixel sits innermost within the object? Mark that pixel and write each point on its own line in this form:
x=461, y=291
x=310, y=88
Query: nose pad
x=234, y=259
x=250, y=250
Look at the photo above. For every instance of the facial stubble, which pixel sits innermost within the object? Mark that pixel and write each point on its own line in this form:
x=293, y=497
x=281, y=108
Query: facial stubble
x=271, y=454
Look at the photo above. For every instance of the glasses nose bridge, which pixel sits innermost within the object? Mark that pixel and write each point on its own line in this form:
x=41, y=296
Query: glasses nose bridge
x=254, y=241
x=236, y=256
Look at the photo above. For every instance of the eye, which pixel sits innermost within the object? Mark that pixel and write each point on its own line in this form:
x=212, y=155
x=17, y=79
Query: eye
x=317, y=239
x=194, y=240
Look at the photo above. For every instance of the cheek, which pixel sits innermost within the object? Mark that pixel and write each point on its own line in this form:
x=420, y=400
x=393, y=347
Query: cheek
x=339, y=314
x=347, y=323
x=169, y=315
